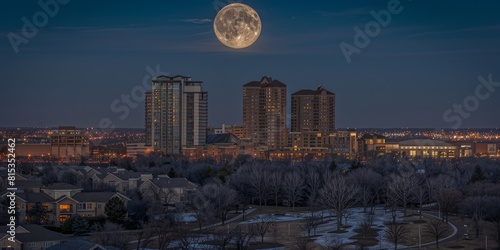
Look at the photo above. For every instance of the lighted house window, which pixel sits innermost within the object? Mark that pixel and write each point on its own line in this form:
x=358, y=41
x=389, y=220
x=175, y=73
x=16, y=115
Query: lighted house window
x=63, y=218
x=65, y=207
x=89, y=205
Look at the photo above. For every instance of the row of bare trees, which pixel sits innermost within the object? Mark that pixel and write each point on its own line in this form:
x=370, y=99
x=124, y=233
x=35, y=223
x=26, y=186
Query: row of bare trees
x=451, y=187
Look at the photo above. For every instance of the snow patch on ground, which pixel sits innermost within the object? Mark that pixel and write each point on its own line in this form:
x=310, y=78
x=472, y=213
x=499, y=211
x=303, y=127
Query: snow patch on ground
x=185, y=217
x=355, y=216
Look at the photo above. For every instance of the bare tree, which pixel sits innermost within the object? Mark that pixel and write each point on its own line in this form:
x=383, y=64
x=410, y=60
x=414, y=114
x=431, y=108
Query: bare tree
x=402, y=187
x=164, y=231
x=365, y=225
x=434, y=184
x=293, y=184
x=259, y=179
x=111, y=234
x=448, y=200
x=201, y=208
x=314, y=182
x=144, y=237
x=222, y=237
x=339, y=194
x=396, y=232
x=243, y=235
x=370, y=184
x=436, y=229
x=276, y=186
x=475, y=207
x=420, y=194
x=263, y=224
x=220, y=197
x=310, y=224
x=301, y=243
x=493, y=216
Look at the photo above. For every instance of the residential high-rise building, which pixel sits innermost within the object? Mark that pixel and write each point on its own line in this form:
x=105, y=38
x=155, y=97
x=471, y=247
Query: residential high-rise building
x=313, y=118
x=179, y=114
x=149, y=120
x=264, y=113
x=313, y=110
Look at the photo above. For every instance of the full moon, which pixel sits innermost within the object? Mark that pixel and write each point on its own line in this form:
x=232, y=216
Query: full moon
x=237, y=26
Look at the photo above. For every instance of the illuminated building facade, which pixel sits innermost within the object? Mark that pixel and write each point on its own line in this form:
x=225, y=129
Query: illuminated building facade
x=149, y=118
x=179, y=114
x=428, y=148
x=313, y=118
x=313, y=110
x=68, y=141
x=345, y=143
x=264, y=113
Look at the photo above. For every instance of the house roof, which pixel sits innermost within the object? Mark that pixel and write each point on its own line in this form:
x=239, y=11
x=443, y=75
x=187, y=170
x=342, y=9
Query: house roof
x=65, y=197
x=60, y=186
x=28, y=183
x=222, y=139
x=34, y=233
x=170, y=182
x=95, y=196
x=38, y=197
x=127, y=175
x=424, y=142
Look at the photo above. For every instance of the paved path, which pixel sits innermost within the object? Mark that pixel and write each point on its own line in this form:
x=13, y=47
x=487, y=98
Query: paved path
x=237, y=217
x=453, y=225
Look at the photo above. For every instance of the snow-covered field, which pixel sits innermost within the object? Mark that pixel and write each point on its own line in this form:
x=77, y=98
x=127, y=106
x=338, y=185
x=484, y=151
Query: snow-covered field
x=185, y=217
x=283, y=217
x=325, y=234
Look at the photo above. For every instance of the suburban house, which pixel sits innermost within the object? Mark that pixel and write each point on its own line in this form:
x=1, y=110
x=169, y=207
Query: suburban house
x=91, y=204
x=31, y=237
x=168, y=190
x=120, y=182
x=62, y=200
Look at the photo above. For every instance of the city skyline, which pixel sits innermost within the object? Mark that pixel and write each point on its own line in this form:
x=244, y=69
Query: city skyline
x=409, y=75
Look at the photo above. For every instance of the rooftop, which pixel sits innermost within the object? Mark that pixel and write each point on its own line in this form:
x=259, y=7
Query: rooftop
x=94, y=196
x=266, y=81
x=318, y=91
x=34, y=233
x=60, y=186
x=424, y=142
x=222, y=139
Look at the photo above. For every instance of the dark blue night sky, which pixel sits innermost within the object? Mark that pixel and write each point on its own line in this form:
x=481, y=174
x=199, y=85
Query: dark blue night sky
x=91, y=52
